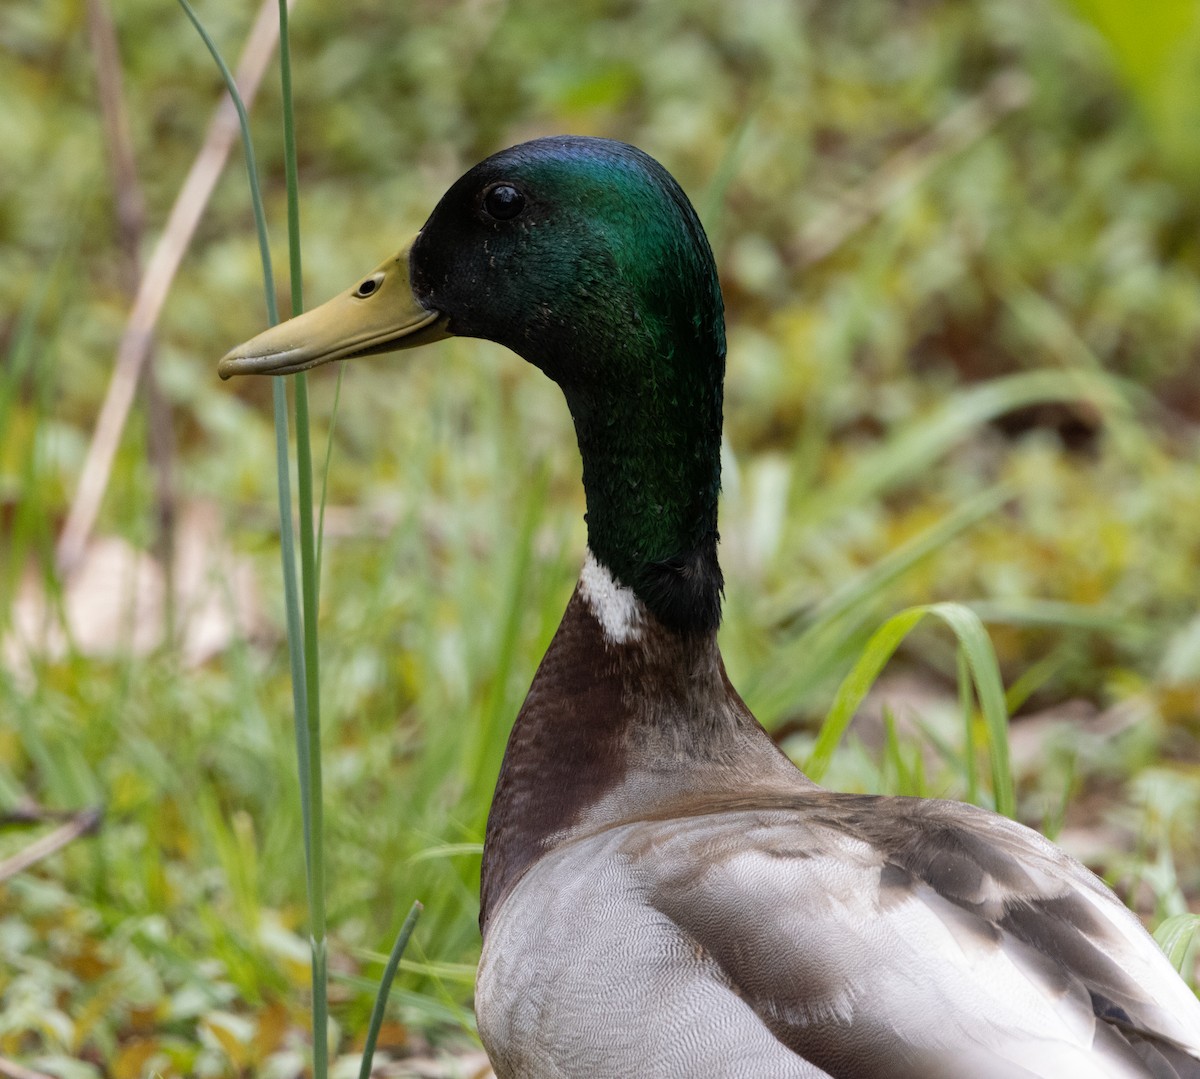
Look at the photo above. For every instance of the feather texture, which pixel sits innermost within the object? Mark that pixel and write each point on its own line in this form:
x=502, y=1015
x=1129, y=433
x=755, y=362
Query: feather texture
x=856, y=936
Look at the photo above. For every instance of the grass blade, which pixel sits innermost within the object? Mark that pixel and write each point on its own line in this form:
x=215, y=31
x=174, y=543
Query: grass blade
x=880, y=648
x=966, y=709
x=279, y=402
x=301, y=632
x=1179, y=936
x=309, y=583
x=980, y=661
x=928, y=438
x=975, y=645
x=817, y=652
x=385, y=986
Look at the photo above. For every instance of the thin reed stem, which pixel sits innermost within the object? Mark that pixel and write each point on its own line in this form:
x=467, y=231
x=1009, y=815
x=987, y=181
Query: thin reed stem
x=301, y=633
x=310, y=760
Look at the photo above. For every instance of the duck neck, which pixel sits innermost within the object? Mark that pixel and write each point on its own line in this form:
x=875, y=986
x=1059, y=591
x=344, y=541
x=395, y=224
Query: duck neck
x=651, y=476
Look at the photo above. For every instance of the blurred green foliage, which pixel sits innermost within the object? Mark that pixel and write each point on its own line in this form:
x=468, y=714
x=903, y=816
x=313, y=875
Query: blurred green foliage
x=985, y=391
x=1157, y=53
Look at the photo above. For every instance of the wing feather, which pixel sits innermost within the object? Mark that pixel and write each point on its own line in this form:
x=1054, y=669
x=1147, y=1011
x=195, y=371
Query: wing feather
x=856, y=925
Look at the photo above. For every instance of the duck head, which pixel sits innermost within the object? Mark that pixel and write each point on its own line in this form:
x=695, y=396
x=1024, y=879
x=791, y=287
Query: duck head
x=584, y=257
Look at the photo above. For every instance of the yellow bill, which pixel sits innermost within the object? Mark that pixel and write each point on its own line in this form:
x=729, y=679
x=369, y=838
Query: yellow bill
x=379, y=314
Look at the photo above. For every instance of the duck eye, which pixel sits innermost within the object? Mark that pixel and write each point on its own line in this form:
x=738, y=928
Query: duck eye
x=369, y=287
x=503, y=202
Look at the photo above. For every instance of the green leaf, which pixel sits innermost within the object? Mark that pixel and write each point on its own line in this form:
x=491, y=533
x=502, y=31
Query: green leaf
x=981, y=662
x=1156, y=50
x=855, y=686
x=1177, y=937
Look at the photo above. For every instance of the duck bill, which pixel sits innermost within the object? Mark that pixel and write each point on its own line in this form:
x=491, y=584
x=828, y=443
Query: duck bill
x=379, y=314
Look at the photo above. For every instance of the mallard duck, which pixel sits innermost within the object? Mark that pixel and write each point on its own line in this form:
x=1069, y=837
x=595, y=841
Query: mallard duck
x=664, y=893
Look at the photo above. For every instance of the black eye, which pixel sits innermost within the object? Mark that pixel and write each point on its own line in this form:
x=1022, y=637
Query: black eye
x=503, y=202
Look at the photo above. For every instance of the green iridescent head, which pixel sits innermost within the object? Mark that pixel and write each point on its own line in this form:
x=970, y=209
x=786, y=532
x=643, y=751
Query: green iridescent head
x=585, y=257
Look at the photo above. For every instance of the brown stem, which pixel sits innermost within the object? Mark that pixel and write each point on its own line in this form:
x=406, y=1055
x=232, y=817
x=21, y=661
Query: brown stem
x=81, y=823
x=130, y=206
x=153, y=287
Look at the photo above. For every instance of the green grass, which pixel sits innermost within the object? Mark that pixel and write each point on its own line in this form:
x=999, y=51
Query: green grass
x=985, y=397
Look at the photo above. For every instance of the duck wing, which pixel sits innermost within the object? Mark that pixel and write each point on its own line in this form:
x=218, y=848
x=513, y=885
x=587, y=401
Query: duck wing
x=897, y=937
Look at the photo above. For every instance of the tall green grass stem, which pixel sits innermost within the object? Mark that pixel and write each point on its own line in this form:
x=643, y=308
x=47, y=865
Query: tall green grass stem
x=287, y=545
x=291, y=172
x=260, y=219
x=310, y=759
x=302, y=631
